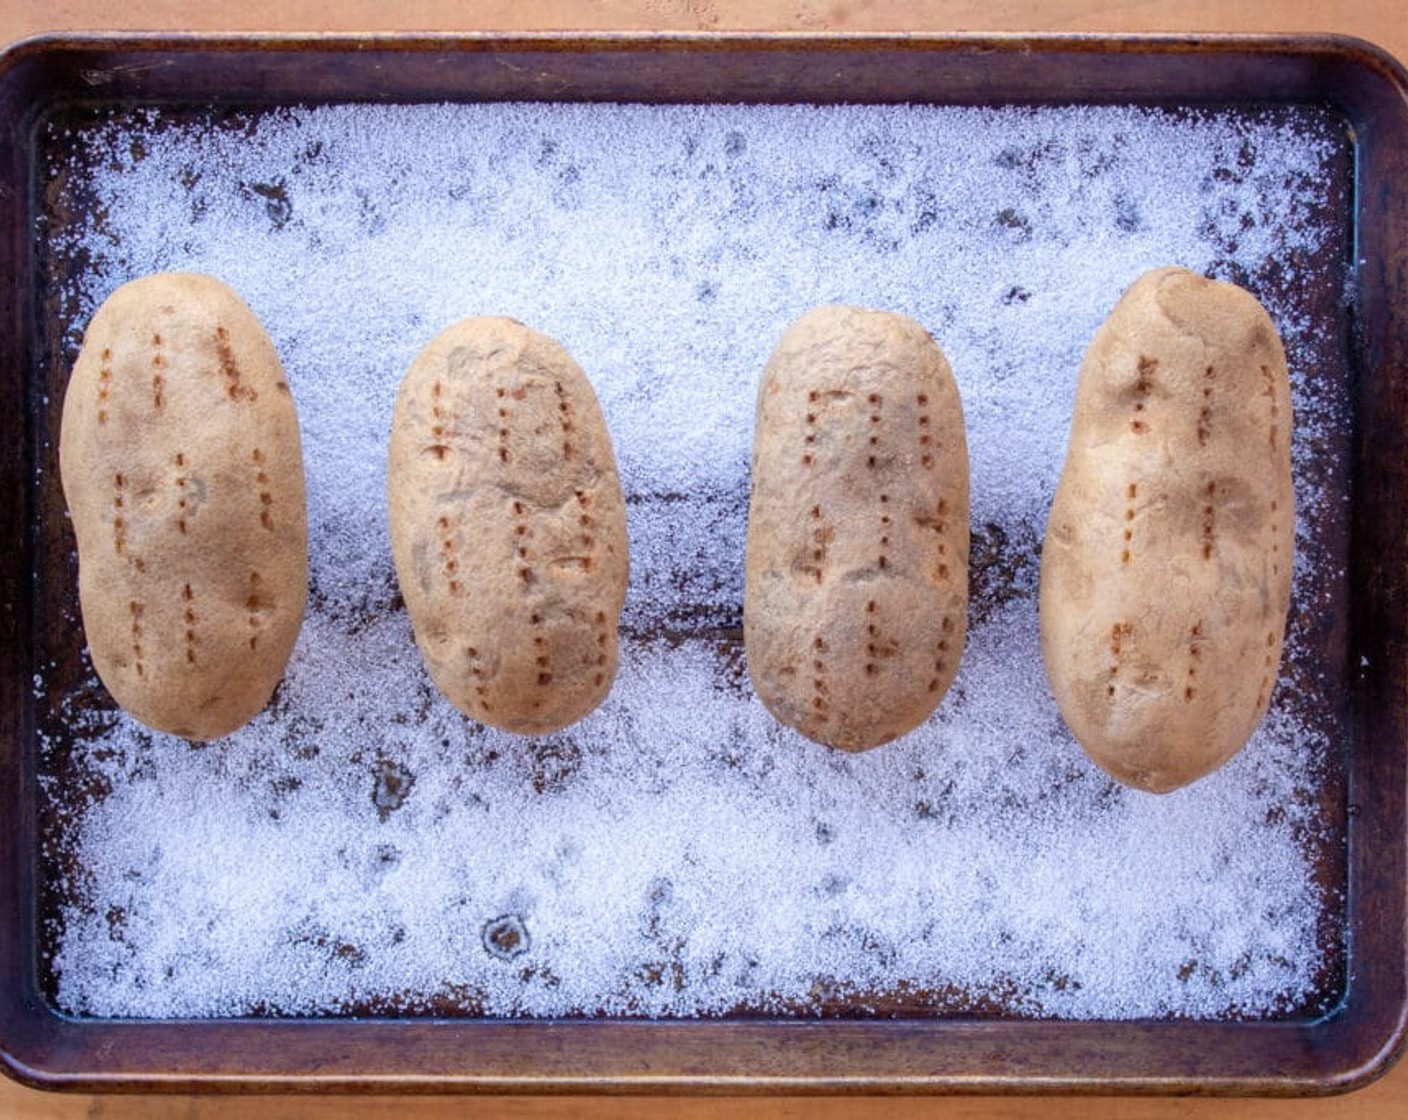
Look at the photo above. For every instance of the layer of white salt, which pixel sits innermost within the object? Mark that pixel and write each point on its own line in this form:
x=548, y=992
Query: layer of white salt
x=678, y=853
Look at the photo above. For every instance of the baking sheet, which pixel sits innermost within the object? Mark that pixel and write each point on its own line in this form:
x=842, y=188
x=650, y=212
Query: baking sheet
x=348, y=852
x=1325, y=655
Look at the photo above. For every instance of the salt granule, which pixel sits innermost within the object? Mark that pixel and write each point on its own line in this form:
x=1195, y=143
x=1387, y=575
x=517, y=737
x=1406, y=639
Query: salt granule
x=360, y=846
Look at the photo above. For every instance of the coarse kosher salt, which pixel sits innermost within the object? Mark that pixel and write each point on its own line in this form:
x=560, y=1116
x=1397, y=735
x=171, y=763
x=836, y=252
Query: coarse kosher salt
x=362, y=847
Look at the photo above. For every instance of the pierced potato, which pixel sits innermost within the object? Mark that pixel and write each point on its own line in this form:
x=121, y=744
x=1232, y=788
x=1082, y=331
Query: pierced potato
x=856, y=597
x=508, y=526
x=1166, y=571
x=182, y=468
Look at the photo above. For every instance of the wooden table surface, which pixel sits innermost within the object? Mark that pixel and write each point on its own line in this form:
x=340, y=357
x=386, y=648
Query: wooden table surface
x=1384, y=22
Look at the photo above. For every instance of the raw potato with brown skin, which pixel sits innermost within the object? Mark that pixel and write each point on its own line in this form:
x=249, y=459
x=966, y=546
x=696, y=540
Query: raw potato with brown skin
x=856, y=596
x=1166, y=572
x=508, y=526
x=181, y=464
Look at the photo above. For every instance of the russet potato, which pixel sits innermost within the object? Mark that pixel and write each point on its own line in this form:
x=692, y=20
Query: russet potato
x=181, y=465
x=508, y=526
x=856, y=572
x=1166, y=569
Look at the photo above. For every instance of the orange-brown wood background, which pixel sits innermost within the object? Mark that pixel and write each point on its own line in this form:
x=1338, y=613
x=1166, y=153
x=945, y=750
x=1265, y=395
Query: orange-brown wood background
x=1384, y=22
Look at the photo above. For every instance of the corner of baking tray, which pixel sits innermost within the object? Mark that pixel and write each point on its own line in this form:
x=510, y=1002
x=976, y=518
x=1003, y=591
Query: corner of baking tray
x=1375, y=1065
x=1369, y=56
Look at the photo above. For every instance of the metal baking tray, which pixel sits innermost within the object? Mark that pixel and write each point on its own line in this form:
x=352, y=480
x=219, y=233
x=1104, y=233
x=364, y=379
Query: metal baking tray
x=1336, y=1043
